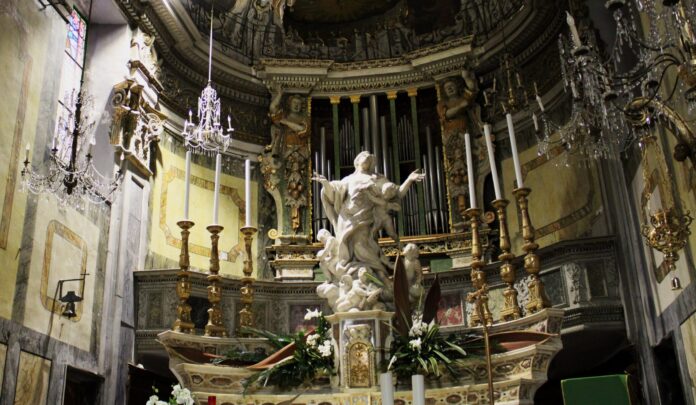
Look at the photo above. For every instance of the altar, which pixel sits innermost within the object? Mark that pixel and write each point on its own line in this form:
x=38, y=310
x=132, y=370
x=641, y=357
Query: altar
x=383, y=331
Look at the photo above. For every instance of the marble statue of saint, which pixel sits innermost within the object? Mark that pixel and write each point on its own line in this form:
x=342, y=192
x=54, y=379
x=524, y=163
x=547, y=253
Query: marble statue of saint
x=350, y=207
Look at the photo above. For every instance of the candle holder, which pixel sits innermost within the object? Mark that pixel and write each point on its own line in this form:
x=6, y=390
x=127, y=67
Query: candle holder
x=537, y=296
x=214, y=327
x=183, y=321
x=510, y=308
x=478, y=276
x=246, y=314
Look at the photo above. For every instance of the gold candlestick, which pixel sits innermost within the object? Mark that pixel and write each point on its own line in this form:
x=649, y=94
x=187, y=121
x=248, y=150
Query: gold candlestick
x=510, y=308
x=478, y=276
x=214, y=326
x=537, y=295
x=183, y=321
x=246, y=314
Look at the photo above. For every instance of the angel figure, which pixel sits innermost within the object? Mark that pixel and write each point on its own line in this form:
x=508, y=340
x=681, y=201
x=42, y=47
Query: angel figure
x=328, y=257
x=414, y=272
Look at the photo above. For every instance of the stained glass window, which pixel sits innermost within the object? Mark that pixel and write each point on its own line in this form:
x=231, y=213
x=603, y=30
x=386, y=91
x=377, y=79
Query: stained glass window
x=71, y=79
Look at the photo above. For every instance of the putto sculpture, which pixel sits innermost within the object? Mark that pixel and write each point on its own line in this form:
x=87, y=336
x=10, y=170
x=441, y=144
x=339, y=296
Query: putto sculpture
x=357, y=207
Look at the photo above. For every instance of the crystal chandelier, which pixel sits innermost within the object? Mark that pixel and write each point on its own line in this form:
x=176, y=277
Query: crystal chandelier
x=604, y=89
x=209, y=135
x=668, y=41
x=69, y=174
x=597, y=127
x=508, y=93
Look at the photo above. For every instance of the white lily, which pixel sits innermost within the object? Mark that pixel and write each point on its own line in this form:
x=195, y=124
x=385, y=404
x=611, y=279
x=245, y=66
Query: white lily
x=415, y=344
x=311, y=314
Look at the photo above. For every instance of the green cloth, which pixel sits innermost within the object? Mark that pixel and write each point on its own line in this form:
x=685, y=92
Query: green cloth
x=602, y=390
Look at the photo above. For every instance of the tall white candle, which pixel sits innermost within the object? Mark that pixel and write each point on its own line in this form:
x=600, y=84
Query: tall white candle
x=386, y=385
x=573, y=30
x=470, y=171
x=515, y=155
x=27, y=152
x=491, y=160
x=218, y=167
x=418, y=387
x=535, y=120
x=187, y=189
x=247, y=192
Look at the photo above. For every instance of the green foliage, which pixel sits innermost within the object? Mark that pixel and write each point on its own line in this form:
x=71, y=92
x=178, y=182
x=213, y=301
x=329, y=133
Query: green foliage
x=313, y=356
x=424, y=351
x=239, y=357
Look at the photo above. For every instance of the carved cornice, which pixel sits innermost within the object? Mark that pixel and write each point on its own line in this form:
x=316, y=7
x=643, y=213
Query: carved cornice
x=324, y=78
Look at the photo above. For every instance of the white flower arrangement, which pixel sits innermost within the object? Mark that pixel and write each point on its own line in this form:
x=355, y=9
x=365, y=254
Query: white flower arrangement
x=325, y=348
x=415, y=344
x=154, y=400
x=420, y=328
x=179, y=396
x=313, y=339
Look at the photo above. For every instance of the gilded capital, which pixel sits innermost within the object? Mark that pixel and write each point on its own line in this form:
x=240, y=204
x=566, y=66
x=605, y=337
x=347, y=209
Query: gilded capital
x=335, y=99
x=412, y=92
x=355, y=98
x=391, y=95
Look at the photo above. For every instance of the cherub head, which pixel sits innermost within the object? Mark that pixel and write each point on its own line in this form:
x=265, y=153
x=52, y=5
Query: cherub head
x=411, y=251
x=295, y=103
x=451, y=88
x=362, y=275
x=346, y=282
x=323, y=235
x=389, y=190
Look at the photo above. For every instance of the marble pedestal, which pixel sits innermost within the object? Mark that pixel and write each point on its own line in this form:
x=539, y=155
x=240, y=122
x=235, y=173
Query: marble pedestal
x=294, y=262
x=361, y=344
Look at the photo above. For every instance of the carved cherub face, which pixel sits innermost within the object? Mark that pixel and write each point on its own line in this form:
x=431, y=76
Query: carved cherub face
x=346, y=282
x=451, y=89
x=295, y=104
x=362, y=275
x=323, y=235
x=389, y=190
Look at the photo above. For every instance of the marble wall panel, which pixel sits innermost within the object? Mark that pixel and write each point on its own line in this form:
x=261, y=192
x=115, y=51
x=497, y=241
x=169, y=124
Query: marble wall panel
x=688, y=332
x=32, y=380
x=66, y=245
x=28, y=40
x=3, y=356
